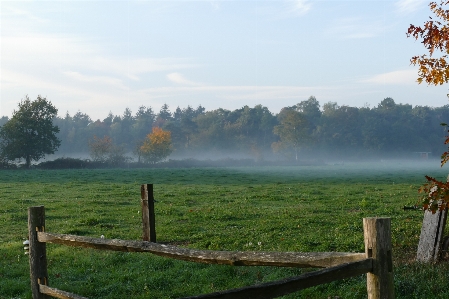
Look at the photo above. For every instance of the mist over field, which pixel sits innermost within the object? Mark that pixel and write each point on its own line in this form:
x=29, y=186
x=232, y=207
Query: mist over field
x=305, y=133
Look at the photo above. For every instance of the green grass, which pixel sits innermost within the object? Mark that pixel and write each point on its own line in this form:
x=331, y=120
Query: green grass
x=284, y=208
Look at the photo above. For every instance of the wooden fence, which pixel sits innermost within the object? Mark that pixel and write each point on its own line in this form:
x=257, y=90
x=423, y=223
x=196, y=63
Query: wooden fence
x=376, y=261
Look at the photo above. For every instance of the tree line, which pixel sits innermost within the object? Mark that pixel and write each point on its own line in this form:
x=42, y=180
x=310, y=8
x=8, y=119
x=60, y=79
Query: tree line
x=298, y=132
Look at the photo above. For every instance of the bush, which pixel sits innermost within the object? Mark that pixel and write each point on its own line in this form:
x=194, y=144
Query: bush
x=64, y=163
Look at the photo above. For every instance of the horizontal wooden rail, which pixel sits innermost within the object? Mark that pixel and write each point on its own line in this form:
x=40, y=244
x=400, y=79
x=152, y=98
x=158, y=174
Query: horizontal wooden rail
x=236, y=258
x=267, y=290
x=289, y=285
x=58, y=293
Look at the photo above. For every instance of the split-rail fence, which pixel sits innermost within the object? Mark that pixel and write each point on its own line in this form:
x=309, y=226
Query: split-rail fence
x=376, y=262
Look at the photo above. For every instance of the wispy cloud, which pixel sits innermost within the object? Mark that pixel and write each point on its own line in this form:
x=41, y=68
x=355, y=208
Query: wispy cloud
x=75, y=56
x=134, y=67
x=104, y=80
x=238, y=93
x=409, y=6
x=26, y=46
x=72, y=70
x=394, y=78
x=355, y=28
x=283, y=9
x=300, y=7
x=58, y=90
x=180, y=79
x=14, y=12
x=215, y=4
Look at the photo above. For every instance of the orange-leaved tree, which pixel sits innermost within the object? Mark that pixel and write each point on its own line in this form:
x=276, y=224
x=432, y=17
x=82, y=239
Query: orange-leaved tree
x=156, y=146
x=434, y=69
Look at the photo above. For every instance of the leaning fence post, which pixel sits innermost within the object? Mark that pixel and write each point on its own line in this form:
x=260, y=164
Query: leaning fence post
x=38, y=251
x=377, y=233
x=148, y=219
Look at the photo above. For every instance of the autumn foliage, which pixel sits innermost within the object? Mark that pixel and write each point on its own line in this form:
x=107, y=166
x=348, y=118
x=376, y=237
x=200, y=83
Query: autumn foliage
x=436, y=193
x=157, y=146
x=434, y=70
x=435, y=37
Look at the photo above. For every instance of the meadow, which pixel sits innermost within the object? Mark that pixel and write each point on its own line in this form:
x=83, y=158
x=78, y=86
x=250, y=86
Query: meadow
x=297, y=208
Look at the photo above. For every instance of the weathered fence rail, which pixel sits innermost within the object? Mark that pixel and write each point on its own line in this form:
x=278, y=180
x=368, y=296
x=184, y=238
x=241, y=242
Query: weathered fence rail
x=234, y=258
x=376, y=261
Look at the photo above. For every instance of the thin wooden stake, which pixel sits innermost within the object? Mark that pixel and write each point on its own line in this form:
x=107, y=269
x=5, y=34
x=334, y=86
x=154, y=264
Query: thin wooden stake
x=38, y=251
x=377, y=232
x=148, y=218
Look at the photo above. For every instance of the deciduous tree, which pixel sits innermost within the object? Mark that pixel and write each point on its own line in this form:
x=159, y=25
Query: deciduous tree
x=100, y=148
x=292, y=131
x=30, y=133
x=157, y=146
x=434, y=70
x=435, y=38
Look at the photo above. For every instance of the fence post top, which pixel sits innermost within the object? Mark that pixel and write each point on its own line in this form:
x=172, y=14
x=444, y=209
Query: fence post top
x=36, y=207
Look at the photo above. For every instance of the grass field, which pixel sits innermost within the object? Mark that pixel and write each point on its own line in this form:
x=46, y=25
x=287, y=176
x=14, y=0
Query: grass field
x=269, y=209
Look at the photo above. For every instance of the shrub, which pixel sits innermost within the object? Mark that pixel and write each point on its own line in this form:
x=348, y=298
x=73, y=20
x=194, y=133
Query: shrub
x=64, y=163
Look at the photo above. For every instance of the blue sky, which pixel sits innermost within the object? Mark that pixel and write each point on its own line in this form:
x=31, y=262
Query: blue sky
x=101, y=56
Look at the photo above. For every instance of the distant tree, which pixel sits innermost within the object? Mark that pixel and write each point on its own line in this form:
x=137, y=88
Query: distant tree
x=80, y=132
x=3, y=120
x=30, y=133
x=108, y=120
x=157, y=146
x=117, y=155
x=127, y=123
x=311, y=109
x=340, y=130
x=100, y=148
x=177, y=115
x=329, y=108
x=200, y=110
x=212, y=131
x=98, y=128
x=122, y=128
x=104, y=150
x=82, y=120
x=182, y=127
x=165, y=113
x=144, y=119
x=188, y=112
x=252, y=130
x=163, y=116
x=137, y=149
x=176, y=133
x=292, y=131
x=76, y=131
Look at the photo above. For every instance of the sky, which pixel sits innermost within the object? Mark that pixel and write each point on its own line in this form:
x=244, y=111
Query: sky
x=105, y=56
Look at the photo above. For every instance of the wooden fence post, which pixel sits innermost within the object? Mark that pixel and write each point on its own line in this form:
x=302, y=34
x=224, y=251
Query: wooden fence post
x=38, y=251
x=148, y=218
x=377, y=233
x=431, y=238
